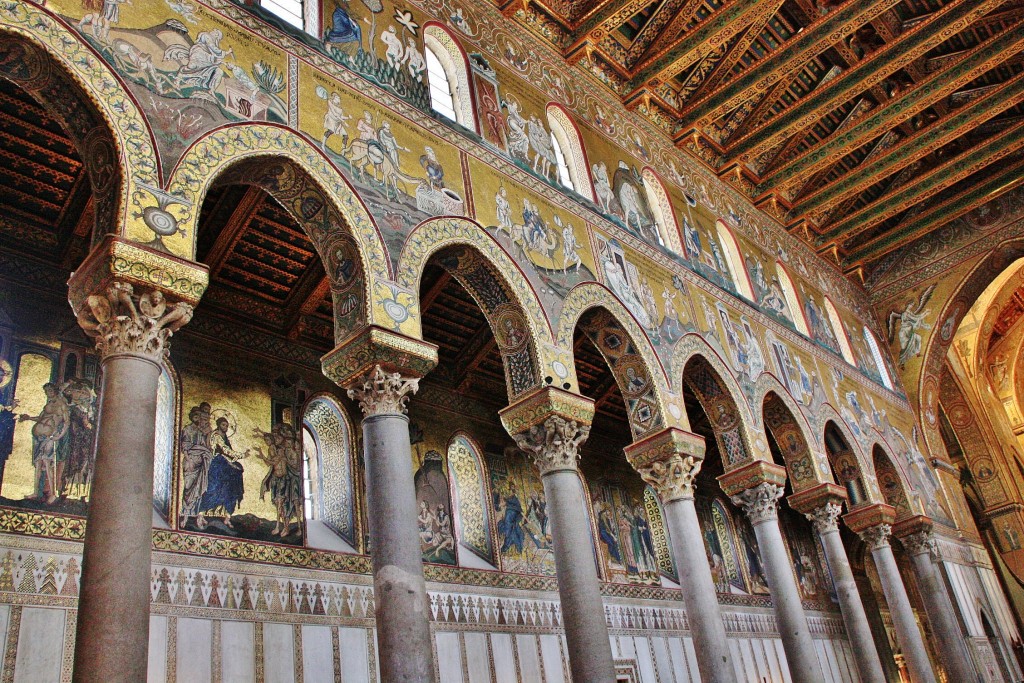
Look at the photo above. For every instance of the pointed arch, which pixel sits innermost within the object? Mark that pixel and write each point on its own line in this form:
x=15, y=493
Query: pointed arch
x=845, y=464
x=692, y=346
x=624, y=345
x=168, y=407
x=470, y=501
x=569, y=140
x=333, y=474
x=791, y=436
x=839, y=330
x=439, y=42
x=892, y=482
x=738, y=273
x=508, y=301
x=664, y=214
x=796, y=310
x=96, y=109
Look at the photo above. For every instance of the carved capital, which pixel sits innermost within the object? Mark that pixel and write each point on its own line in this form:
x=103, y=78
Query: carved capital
x=876, y=537
x=921, y=542
x=825, y=519
x=672, y=477
x=554, y=444
x=381, y=393
x=760, y=503
x=123, y=322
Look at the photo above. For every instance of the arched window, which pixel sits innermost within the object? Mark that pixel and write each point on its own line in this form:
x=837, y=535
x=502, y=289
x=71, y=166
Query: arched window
x=737, y=273
x=569, y=153
x=298, y=13
x=792, y=302
x=883, y=369
x=163, y=446
x=839, y=331
x=661, y=207
x=327, y=468
x=448, y=76
x=469, y=499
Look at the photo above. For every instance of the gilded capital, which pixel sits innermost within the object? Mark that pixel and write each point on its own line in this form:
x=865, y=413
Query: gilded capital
x=554, y=444
x=760, y=503
x=876, y=537
x=381, y=393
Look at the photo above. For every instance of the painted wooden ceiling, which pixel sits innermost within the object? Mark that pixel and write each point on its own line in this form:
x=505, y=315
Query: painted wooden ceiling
x=861, y=125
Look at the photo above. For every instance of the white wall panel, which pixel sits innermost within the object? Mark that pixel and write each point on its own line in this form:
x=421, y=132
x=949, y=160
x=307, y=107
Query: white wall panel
x=194, y=652
x=317, y=654
x=355, y=667
x=157, y=665
x=278, y=653
x=238, y=651
x=449, y=657
x=40, y=645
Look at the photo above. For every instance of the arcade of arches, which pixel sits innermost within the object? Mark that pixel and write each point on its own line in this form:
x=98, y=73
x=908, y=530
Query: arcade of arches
x=533, y=341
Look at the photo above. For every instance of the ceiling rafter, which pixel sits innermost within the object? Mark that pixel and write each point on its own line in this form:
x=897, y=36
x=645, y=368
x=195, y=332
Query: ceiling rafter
x=910, y=149
x=898, y=111
x=947, y=22
x=950, y=208
x=612, y=13
x=657, y=36
x=233, y=229
x=306, y=294
x=930, y=183
x=783, y=64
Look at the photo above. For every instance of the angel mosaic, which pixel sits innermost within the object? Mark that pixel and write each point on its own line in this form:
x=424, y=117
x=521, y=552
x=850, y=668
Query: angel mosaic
x=905, y=326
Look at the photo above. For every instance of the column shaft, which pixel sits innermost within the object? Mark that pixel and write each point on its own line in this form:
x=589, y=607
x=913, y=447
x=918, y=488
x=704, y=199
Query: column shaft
x=855, y=619
x=400, y=593
x=907, y=633
x=112, y=633
x=878, y=631
x=789, y=611
x=699, y=593
x=586, y=631
x=939, y=609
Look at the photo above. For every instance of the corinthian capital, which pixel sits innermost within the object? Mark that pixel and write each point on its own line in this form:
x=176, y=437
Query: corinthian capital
x=123, y=322
x=825, y=518
x=383, y=392
x=760, y=503
x=672, y=476
x=921, y=542
x=877, y=536
x=554, y=444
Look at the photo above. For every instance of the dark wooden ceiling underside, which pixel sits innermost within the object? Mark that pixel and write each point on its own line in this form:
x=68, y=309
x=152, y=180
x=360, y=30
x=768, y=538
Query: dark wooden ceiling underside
x=861, y=125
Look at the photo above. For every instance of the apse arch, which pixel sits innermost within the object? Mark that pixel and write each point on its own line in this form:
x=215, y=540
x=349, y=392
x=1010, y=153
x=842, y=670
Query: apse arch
x=99, y=113
x=587, y=296
x=791, y=436
x=495, y=282
x=452, y=57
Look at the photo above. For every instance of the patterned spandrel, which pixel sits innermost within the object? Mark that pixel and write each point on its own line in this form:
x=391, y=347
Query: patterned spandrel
x=470, y=497
x=660, y=533
x=163, y=447
x=335, y=503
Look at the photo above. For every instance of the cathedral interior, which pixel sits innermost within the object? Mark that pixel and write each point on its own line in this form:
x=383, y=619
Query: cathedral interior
x=511, y=341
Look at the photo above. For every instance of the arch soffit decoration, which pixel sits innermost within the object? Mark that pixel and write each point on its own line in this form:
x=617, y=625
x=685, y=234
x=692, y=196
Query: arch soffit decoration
x=693, y=346
x=522, y=309
x=943, y=331
x=806, y=465
x=122, y=118
x=588, y=296
x=827, y=413
x=905, y=502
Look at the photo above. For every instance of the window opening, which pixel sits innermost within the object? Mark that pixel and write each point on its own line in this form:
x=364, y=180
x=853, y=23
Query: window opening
x=291, y=11
x=442, y=99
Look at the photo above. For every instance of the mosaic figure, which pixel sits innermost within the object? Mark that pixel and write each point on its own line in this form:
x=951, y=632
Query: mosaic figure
x=284, y=478
x=49, y=443
x=225, y=487
x=905, y=326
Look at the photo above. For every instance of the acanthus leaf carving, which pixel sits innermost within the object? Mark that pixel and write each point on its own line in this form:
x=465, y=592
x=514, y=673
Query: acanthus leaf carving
x=383, y=393
x=825, y=519
x=921, y=542
x=877, y=537
x=761, y=502
x=554, y=444
x=672, y=477
x=123, y=323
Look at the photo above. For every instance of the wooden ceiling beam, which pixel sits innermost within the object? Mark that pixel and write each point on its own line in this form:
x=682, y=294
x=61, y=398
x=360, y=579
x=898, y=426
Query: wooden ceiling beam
x=704, y=39
x=929, y=184
x=306, y=295
x=427, y=300
x=872, y=70
x=474, y=352
x=943, y=212
x=233, y=229
x=897, y=112
x=657, y=35
x=783, y=64
x=905, y=153
x=613, y=13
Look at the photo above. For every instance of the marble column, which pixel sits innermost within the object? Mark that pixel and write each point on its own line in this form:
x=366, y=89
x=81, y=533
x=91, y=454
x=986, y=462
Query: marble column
x=550, y=425
x=669, y=461
x=822, y=506
x=874, y=525
x=916, y=535
x=131, y=322
x=878, y=630
x=756, y=488
x=380, y=370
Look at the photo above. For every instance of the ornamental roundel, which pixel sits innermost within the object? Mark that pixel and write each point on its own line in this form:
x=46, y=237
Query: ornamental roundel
x=635, y=382
x=511, y=331
x=960, y=415
x=984, y=469
x=949, y=327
